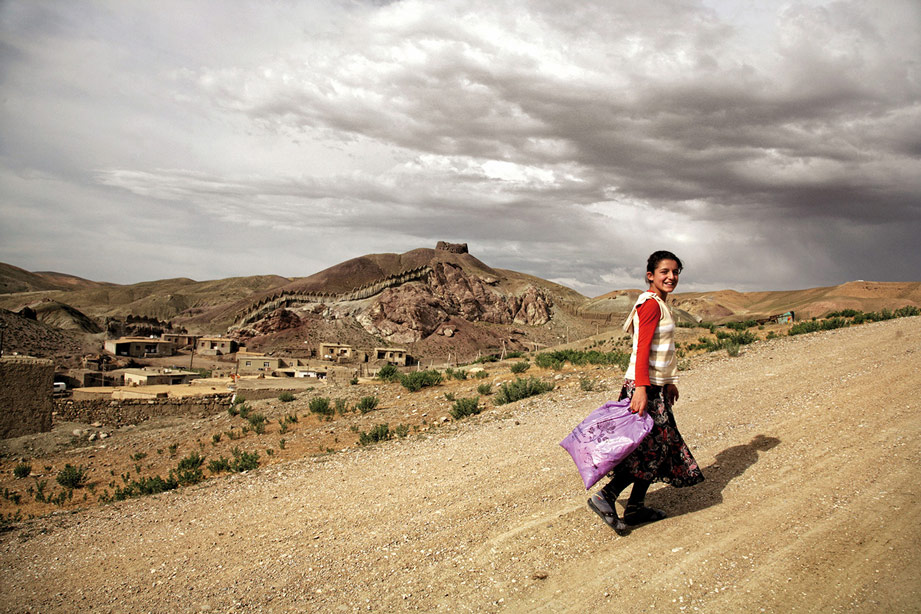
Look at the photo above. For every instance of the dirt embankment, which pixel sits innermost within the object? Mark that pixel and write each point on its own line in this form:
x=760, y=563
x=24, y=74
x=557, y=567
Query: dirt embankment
x=811, y=504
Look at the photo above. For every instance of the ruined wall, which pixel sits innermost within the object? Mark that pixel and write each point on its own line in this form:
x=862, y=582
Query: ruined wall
x=282, y=301
x=25, y=395
x=122, y=412
x=454, y=248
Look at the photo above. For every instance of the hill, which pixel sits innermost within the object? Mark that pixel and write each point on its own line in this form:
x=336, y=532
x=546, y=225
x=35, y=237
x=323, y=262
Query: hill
x=488, y=514
x=442, y=302
x=729, y=305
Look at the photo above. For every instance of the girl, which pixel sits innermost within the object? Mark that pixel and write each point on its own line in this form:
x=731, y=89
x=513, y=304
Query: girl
x=650, y=385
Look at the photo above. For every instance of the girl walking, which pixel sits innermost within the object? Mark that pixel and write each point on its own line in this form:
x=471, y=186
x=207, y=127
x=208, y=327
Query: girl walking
x=650, y=385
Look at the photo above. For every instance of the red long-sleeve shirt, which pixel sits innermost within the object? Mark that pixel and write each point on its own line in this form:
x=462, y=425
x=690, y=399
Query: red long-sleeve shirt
x=649, y=315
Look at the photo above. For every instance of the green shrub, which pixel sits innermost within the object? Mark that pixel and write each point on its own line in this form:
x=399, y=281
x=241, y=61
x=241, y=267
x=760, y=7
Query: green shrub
x=244, y=410
x=320, y=405
x=388, y=373
x=449, y=396
x=484, y=389
x=72, y=477
x=520, y=367
x=145, y=486
x=291, y=419
x=188, y=471
x=558, y=358
x=401, y=430
x=458, y=374
x=487, y=358
x=380, y=432
x=219, y=465
x=481, y=374
x=233, y=410
x=417, y=380
x=465, y=407
x=521, y=389
x=244, y=461
x=586, y=384
x=22, y=470
x=286, y=397
x=257, y=421
x=733, y=349
x=367, y=404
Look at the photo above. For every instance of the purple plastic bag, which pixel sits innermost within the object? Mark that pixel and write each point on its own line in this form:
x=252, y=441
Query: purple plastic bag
x=606, y=437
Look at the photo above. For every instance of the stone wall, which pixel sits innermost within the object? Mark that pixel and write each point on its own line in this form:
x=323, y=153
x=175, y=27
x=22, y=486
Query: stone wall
x=25, y=395
x=122, y=412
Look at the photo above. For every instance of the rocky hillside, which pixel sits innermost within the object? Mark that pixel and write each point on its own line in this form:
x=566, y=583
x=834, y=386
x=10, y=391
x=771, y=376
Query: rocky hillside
x=443, y=301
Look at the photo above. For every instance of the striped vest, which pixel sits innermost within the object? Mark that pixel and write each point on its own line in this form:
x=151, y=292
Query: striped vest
x=663, y=364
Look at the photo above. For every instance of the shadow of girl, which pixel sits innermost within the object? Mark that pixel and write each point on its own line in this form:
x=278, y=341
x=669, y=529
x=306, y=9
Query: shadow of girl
x=729, y=464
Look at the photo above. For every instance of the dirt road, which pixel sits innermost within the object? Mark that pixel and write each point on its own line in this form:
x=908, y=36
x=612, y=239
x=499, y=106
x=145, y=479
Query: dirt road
x=809, y=444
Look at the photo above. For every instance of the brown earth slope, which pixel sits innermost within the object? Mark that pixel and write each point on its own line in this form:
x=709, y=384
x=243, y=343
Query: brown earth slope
x=810, y=505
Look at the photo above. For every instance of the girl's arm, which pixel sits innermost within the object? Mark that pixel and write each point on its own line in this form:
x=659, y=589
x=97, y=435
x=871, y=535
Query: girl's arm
x=649, y=315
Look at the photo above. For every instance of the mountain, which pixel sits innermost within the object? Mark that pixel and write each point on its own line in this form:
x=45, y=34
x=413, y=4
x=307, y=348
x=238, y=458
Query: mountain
x=437, y=302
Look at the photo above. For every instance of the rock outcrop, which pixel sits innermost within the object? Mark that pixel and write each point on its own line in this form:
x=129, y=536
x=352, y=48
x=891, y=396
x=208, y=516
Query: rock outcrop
x=415, y=310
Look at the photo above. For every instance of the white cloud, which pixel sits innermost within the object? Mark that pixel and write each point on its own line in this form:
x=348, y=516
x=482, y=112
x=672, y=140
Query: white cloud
x=567, y=141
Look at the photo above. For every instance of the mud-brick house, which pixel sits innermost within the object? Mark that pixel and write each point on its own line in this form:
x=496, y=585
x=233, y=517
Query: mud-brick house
x=215, y=346
x=181, y=340
x=153, y=377
x=335, y=351
x=393, y=356
x=140, y=347
x=249, y=363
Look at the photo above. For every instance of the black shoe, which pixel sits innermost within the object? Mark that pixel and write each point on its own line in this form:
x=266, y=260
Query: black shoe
x=601, y=506
x=639, y=514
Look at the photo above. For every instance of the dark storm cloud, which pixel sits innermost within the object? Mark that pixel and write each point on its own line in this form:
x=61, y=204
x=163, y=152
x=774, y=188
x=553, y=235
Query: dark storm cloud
x=566, y=141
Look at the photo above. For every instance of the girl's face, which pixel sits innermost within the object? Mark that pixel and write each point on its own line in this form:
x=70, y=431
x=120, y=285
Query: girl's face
x=664, y=278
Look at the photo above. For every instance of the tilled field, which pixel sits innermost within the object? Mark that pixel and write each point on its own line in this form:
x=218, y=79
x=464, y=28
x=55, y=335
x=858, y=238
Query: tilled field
x=811, y=504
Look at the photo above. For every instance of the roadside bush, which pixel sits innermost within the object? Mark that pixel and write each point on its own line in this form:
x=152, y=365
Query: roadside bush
x=520, y=367
x=286, y=397
x=465, y=407
x=417, y=380
x=380, y=432
x=188, y=471
x=521, y=389
x=367, y=404
x=22, y=470
x=320, y=405
x=72, y=477
x=244, y=461
x=388, y=373
x=484, y=389
x=558, y=358
x=145, y=486
x=458, y=374
x=257, y=421
x=219, y=465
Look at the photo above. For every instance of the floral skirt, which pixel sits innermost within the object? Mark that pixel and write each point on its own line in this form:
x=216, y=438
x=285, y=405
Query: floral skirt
x=662, y=456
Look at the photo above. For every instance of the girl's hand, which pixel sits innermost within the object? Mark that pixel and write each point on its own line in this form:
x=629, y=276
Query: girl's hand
x=638, y=402
x=671, y=393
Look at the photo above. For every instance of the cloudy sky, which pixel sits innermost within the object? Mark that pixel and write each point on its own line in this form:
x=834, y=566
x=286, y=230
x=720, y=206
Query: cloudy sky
x=772, y=145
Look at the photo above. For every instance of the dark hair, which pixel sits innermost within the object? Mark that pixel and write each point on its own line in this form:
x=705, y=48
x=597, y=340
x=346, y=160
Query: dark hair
x=656, y=257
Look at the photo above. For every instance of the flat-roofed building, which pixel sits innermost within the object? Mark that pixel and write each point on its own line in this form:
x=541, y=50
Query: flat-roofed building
x=215, y=346
x=393, y=356
x=335, y=351
x=140, y=347
x=153, y=377
x=181, y=340
x=253, y=364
